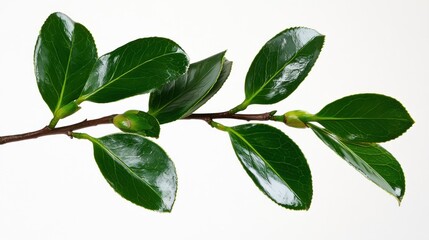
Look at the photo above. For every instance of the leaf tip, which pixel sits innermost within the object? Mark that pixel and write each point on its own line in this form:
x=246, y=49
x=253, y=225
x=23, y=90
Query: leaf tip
x=399, y=192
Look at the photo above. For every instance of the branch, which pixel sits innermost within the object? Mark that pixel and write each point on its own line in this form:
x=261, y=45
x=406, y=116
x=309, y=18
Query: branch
x=67, y=130
x=208, y=117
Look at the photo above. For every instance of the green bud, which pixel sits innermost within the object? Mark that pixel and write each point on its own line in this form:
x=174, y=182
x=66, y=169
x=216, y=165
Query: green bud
x=64, y=112
x=67, y=110
x=297, y=118
x=134, y=121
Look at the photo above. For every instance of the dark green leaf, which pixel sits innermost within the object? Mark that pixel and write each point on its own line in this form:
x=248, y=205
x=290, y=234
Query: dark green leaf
x=275, y=164
x=138, y=169
x=370, y=159
x=141, y=123
x=183, y=96
x=64, y=55
x=281, y=65
x=135, y=68
x=365, y=118
x=224, y=74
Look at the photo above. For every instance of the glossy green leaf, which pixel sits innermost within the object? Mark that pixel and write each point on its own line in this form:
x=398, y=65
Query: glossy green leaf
x=275, y=164
x=224, y=74
x=135, y=121
x=64, y=55
x=183, y=96
x=137, y=168
x=135, y=68
x=365, y=118
x=281, y=65
x=370, y=159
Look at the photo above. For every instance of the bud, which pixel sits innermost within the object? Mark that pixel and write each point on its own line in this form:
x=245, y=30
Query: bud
x=134, y=121
x=64, y=112
x=297, y=118
x=67, y=110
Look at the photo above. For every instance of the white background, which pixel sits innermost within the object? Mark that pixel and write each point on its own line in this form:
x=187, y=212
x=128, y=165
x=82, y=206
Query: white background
x=51, y=188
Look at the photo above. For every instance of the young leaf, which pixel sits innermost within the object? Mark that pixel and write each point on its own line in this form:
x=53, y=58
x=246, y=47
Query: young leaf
x=138, y=169
x=183, y=96
x=275, y=164
x=370, y=159
x=64, y=55
x=135, y=68
x=365, y=118
x=281, y=65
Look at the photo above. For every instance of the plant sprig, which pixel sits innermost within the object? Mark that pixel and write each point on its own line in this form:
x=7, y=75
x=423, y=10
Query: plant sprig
x=69, y=72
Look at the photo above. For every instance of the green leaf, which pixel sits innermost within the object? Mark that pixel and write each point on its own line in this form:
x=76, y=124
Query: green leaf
x=365, y=118
x=181, y=97
x=370, y=159
x=138, y=169
x=275, y=164
x=135, y=121
x=281, y=65
x=64, y=55
x=135, y=68
x=224, y=74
